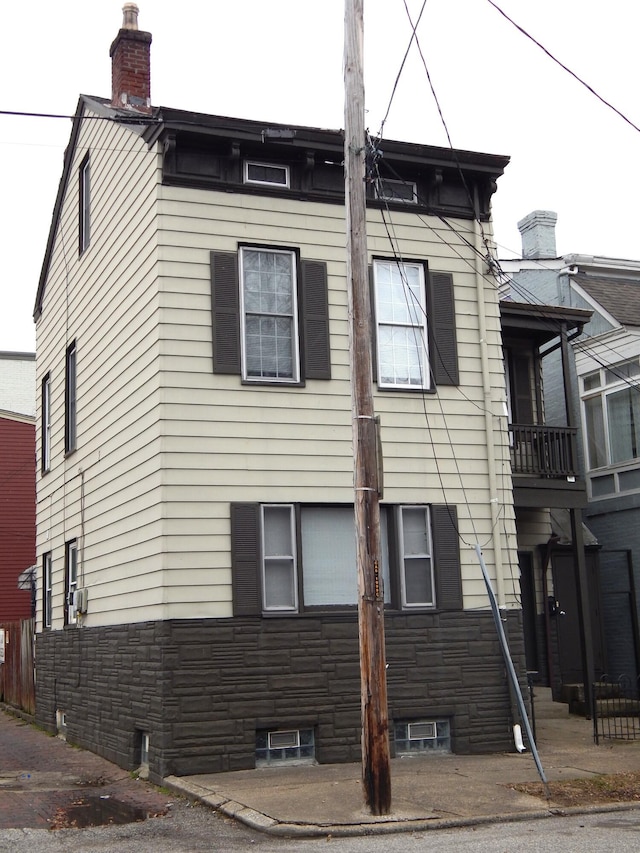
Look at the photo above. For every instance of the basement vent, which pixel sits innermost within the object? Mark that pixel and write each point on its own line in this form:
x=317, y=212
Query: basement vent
x=293, y=746
x=416, y=736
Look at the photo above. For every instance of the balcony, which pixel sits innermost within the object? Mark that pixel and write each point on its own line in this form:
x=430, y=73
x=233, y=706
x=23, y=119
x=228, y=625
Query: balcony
x=544, y=467
x=543, y=451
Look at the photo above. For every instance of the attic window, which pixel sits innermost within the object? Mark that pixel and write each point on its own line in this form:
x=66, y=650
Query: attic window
x=389, y=190
x=266, y=174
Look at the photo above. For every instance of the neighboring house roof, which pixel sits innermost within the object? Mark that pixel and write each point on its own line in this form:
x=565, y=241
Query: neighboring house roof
x=620, y=298
x=541, y=322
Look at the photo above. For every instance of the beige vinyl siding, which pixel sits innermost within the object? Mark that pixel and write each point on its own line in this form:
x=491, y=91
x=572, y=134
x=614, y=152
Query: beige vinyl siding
x=232, y=442
x=106, y=494
x=164, y=444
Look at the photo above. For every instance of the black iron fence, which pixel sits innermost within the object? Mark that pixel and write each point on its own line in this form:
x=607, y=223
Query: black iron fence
x=616, y=708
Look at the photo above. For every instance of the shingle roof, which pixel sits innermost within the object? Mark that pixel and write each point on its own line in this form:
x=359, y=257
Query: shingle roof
x=621, y=298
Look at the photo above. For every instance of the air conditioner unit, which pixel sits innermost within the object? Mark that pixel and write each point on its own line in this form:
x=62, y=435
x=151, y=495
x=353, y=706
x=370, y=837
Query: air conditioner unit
x=81, y=600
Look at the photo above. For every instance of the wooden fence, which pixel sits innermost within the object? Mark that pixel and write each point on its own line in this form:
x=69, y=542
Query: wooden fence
x=17, y=673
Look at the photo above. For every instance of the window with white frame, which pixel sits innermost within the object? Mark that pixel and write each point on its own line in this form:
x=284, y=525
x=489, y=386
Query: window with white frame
x=287, y=558
x=46, y=424
x=71, y=581
x=329, y=555
x=415, y=549
x=611, y=407
x=265, y=173
x=401, y=324
x=47, y=590
x=278, y=558
x=395, y=190
x=269, y=315
x=261, y=337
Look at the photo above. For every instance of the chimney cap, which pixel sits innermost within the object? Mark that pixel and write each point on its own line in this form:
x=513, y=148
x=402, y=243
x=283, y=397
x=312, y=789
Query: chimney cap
x=130, y=16
x=538, y=231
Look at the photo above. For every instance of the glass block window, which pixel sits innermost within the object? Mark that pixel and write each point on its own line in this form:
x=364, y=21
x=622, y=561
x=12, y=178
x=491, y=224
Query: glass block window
x=290, y=745
x=422, y=736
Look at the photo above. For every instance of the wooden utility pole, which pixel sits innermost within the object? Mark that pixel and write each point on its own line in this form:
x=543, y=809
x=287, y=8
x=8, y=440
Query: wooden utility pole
x=376, y=776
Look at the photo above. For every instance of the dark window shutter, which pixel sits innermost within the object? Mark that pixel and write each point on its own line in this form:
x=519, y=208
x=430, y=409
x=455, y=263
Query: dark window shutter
x=442, y=315
x=315, y=318
x=245, y=559
x=446, y=557
x=225, y=312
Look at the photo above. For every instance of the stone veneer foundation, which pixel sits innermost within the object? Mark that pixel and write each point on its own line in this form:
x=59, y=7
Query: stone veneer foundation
x=201, y=688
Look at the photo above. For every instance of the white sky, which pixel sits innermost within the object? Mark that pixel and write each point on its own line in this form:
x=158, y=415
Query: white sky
x=281, y=61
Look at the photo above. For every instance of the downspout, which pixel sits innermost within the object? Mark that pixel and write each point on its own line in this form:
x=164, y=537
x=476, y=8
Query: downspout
x=494, y=504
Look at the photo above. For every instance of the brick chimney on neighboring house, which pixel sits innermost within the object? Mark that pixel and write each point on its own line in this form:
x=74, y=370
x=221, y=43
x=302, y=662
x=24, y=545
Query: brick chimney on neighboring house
x=130, y=64
x=538, y=231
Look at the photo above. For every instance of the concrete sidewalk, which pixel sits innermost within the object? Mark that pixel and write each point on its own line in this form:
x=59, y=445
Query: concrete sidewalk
x=429, y=792
x=46, y=783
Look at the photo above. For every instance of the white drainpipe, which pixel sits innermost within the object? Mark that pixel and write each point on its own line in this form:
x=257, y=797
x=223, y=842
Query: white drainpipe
x=490, y=420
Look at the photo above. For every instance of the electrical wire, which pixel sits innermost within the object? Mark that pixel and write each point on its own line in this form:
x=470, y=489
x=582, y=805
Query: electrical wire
x=564, y=67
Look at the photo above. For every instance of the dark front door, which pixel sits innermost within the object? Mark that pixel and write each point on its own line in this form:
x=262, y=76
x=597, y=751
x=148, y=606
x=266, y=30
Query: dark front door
x=565, y=613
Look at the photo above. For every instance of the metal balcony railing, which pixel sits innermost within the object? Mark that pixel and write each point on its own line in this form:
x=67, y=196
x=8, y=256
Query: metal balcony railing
x=543, y=451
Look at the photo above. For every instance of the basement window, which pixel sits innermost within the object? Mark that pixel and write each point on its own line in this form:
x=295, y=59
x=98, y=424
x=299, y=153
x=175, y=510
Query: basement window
x=416, y=736
x=293, y=746
x=266, y=173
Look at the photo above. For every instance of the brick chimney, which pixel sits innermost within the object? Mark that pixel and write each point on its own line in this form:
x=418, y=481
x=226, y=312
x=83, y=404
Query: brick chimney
x=130, y=64
x=538, y=231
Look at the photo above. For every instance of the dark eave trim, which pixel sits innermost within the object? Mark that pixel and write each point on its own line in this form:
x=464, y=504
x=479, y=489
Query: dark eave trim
x=331, y=141
x=545, y=320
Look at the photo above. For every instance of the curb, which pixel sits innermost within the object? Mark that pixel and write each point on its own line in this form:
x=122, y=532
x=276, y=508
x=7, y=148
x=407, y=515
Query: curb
x=383, y=826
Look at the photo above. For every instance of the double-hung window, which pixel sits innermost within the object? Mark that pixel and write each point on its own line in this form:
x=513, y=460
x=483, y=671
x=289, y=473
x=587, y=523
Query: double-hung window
x=47, y=590
x=415, y=335
x=288, y=558
x=278, y=558
x=401, y=327
x=45, y=437
x=71, y=581
x=84, y=205
x=415, y=550
x=70, y=400
x=270, y=315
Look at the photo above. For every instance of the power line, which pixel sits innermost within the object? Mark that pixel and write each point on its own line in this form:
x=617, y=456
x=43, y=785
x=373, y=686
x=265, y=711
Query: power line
x=564, y=67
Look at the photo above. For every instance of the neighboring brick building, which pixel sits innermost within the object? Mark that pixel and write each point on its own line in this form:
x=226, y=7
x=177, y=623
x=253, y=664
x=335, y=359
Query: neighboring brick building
x=17, y=512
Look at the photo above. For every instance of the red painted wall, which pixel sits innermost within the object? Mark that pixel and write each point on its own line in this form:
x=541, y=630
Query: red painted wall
x=17, y=515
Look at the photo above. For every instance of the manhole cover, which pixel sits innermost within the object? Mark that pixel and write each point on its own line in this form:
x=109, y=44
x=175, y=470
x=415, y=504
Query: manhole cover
x=96, y=811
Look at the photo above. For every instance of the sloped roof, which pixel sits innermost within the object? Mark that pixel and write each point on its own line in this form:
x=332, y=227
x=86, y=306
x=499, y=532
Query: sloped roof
x=619, y=297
